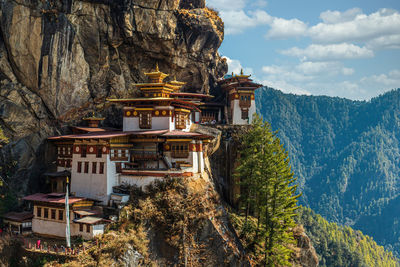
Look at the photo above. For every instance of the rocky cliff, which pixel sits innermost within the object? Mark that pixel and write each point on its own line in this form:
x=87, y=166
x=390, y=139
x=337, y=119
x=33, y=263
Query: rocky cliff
x=61, y=59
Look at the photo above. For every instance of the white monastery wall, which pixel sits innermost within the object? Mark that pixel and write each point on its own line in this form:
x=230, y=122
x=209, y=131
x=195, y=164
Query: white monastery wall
x=112, y=177
x=90, y=185
x=237, y=113
x=161, y=123
x=131, y=124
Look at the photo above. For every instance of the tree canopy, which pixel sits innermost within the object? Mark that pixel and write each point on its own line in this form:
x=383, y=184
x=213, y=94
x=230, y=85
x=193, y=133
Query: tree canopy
x=268, y=195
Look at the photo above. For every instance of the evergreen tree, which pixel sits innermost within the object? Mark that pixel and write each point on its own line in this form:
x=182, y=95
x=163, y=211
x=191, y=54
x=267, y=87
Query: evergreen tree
x=267, y=193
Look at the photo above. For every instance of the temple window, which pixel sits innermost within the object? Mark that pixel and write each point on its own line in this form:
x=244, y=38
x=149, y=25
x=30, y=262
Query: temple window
x=94, y=167
x=180, y=121
x=83, y=151
x=87, y=228
x=86, y=167
x=101, y=169
x=53, y=214
x=180, y=150
x=39, y=212
x=79, y=170
x=99, y=152
x=145, y=120
x=80, y=227
x=68, y=163
x=118, y=167
x=46, y=213
x=60, y=215
x=245, y=114
x=245, y=101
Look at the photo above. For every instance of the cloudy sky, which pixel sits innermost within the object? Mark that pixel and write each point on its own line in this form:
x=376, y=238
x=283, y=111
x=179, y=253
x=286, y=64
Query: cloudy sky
x=345, y=48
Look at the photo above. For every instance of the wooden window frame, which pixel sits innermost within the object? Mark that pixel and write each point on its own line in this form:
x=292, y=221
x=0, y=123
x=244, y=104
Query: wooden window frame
x=180, y=150
x=87, y=228
x=145, y=118
x=99, y=152
x=101, y=168
x=83, y=151
x=60, y=215
x=245, y=101
x=180, y=120
x=86, y=168
x=79, y=167
x=39, y=212
x=53, y=214
x=245, y=114
x=94, y=167
x=81, y=227
x=45, y=213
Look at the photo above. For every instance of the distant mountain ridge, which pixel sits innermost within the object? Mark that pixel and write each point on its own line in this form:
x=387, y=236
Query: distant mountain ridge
x=346, y=155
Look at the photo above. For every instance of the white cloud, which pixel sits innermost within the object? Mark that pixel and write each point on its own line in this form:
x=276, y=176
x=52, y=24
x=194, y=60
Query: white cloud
x=278, y=73
x=236, y=21
x=285, y=87
x=235, y=66
x=316, y=52
x=390, y=80
x=385, y=42
x=348, y=71
x=328, y=68
x=259, y=3
x=333, y=17
x=352, y=26
x=283, y=28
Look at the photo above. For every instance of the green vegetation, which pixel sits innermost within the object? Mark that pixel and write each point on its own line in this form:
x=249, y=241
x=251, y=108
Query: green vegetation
x=267, y=193
x=8, y=199
x=3, y=138
x=341, y=245
x=346, y=155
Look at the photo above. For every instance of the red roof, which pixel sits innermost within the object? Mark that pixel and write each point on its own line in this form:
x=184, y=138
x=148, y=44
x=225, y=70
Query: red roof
x=55, y=199
x=94, y=135
x=106, y=135
x=18, y=216
x=89, y=129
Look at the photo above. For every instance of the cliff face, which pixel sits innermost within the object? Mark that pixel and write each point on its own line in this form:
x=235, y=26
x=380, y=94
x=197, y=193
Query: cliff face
x=59, y=59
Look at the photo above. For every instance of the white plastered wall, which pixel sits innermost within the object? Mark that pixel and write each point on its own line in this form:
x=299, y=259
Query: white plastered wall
x=112, y=177
x=90, y=185
x=237, y=112
x=131, y=124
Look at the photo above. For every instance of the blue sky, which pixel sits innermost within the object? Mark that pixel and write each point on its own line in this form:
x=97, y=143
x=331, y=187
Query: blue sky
x=338, y=48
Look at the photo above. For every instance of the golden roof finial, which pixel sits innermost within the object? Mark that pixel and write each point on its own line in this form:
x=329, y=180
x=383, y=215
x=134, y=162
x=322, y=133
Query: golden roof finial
x=241, y=71
x=157, y=70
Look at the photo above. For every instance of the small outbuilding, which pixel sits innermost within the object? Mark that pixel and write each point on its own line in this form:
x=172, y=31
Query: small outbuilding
x=18, y=222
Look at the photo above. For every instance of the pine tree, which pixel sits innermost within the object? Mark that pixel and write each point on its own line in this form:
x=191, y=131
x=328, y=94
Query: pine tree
x=267, y=192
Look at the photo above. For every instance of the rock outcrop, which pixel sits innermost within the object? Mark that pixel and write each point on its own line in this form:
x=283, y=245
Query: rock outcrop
x=304, y=252
x=59, y=59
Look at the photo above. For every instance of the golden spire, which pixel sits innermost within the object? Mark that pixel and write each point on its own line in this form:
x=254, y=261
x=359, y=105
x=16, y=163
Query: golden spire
x=241, y=72
x=157, y=70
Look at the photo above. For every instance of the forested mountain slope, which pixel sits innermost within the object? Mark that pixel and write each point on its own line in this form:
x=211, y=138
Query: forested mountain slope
x=341, y=245
x=346, y=155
